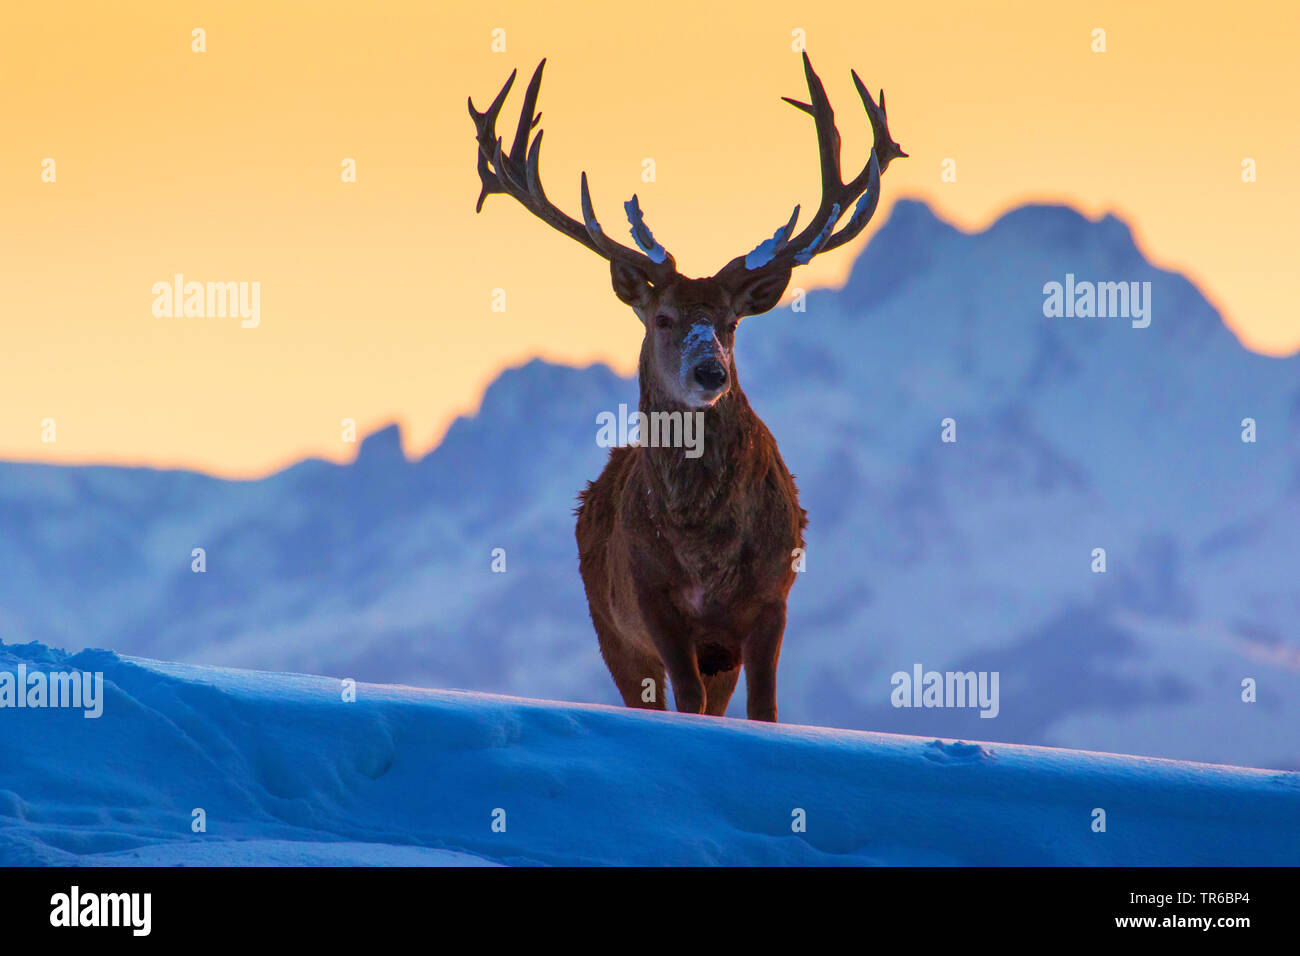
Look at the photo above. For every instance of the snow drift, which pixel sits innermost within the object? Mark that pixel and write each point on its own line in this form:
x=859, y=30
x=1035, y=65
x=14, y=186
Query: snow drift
x=286, y=770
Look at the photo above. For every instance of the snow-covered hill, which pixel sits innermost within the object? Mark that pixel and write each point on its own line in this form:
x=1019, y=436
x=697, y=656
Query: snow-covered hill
x=286, y=771
x=1073, y=434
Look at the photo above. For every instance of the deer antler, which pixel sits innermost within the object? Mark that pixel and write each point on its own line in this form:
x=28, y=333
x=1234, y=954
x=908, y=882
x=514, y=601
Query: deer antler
x=781, y=252
x=516, y=174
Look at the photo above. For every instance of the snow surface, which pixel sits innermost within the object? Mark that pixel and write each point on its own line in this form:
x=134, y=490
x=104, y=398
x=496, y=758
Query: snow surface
x=287, y=773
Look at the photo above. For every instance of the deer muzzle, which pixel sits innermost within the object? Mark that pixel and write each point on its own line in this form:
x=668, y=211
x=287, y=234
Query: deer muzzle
x=704, y=361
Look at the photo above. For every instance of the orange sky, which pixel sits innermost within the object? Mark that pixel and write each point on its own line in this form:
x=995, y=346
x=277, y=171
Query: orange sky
x=376, y=295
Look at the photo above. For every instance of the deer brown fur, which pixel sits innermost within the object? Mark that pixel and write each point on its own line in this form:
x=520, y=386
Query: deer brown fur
x=688, y=559
x=687, y=562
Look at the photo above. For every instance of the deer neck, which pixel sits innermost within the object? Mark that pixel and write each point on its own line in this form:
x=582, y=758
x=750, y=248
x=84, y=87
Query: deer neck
x=691, y=484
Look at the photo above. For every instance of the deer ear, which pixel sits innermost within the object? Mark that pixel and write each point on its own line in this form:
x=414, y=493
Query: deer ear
x=756, y=295
x=631, y=285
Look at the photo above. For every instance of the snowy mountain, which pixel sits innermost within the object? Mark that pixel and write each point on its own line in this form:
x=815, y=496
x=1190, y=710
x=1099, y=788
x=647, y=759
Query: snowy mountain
x=205, y=766
x=1073, y=434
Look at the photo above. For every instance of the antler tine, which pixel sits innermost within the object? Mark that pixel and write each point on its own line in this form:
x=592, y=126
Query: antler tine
x=641, y=233
x=863, y=211
x=782, y=252
x=518, y=174
x=652, y=252
x=886, y=149
x=828, y=152
x=589, y=213
x=527, y=116
x=531, y=172
x=828, y=137
x=485, y=131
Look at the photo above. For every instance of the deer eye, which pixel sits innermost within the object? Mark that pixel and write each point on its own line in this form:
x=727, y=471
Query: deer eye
x=663, y=322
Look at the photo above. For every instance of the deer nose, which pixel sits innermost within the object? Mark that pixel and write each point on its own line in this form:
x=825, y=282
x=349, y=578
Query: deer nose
x=711, y=374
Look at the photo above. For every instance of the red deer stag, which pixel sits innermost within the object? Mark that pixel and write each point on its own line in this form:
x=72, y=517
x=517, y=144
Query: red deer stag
x=688, y=559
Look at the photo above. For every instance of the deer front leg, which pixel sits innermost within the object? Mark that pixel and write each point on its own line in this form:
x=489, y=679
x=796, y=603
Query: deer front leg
x=670, y=633
x=761, y=650
x=684, y=671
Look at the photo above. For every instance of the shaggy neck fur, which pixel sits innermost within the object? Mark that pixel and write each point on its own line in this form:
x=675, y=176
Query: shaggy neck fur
x=699, y=491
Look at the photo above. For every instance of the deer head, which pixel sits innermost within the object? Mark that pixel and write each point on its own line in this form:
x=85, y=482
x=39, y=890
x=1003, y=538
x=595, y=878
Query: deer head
x=690, y=323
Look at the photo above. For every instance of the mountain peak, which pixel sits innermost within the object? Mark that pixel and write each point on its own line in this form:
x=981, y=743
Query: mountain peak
x=1040, y=219
x=518, y=392
x=902, y=248
x=915, y=215
x=1052, y=224
x=382, y=447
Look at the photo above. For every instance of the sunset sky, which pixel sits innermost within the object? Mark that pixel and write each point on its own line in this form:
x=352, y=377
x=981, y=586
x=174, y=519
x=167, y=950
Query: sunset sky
x=376, y=296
